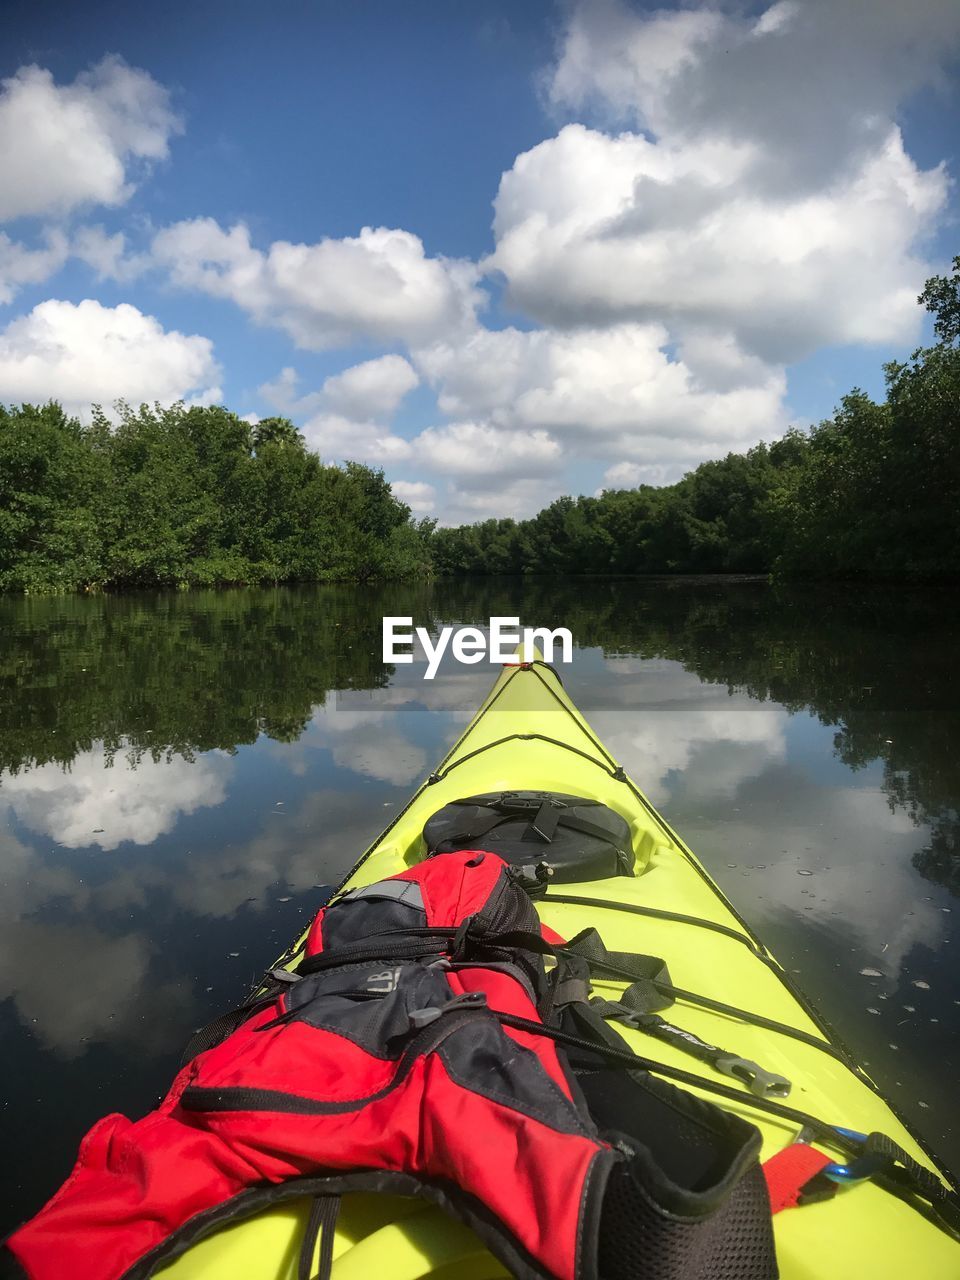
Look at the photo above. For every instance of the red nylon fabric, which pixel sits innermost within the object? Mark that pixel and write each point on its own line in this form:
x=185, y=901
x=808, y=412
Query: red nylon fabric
x=529, y=1160
x=448, y=898
x=331, y=1069
x=460, y=890
x=788, y=1172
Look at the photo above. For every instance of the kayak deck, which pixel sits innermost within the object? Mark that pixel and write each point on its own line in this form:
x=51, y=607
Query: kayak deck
x=528, y=735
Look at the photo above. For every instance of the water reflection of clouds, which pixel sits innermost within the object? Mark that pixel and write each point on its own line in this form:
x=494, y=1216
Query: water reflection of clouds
x=100, y=989
x=30, y=883
x=102, y=992
x=720, y=765
x=362, y=739
x=107, y=993
x=314, y=844
x=667, y=722
x=97, y=803
x=366, y=731
x=863, y=887
x=453, y=688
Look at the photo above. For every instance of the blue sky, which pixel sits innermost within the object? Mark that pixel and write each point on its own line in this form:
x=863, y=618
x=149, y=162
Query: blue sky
x=606, y=241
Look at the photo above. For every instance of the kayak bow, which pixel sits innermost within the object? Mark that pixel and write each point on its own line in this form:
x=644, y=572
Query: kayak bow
x=727, y=989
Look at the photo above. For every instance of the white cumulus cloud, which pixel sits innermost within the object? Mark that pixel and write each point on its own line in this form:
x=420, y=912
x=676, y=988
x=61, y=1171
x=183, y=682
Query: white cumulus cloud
x=372, y=389
x=379, y=285
x=601, y=382
x=810, y=88
x=629, y=475
x=87, y=353
x=484, y=454
x=765, y=191
x=64, y=146
x=419, y=496
x=349, y=416
x=20, y=265
x=525, y=403
x=594, y=229
x=108, y=255
x=734, y=193
x=339, y=439
x=609, y=55
x=707, y=222
x=468, y=499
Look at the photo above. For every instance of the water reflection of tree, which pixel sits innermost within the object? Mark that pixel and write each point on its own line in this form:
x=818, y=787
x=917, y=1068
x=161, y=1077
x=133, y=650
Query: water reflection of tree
x=183, y=673
x=939, y=860
x=178, y=673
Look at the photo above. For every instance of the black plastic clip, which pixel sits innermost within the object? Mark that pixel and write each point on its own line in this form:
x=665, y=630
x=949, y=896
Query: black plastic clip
x=420, y=1018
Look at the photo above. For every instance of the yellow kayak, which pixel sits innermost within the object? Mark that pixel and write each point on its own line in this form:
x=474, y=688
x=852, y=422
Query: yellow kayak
x=529, y=735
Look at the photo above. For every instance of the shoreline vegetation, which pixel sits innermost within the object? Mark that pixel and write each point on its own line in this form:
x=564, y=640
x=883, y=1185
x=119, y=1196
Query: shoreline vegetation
x=197, y=497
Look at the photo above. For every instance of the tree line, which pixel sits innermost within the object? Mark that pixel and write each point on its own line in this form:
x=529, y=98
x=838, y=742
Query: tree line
x=188, y=497
x=199, y=497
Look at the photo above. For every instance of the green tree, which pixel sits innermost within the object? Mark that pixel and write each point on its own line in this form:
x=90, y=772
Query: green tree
x=177, y=497
x=54, y=497
x=280, y=432
x=941, y=296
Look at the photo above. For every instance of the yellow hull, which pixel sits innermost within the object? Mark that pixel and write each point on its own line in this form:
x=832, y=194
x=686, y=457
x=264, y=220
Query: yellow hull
x=528, y=735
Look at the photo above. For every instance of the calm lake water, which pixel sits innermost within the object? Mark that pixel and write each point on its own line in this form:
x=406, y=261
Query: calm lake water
x=180, y=774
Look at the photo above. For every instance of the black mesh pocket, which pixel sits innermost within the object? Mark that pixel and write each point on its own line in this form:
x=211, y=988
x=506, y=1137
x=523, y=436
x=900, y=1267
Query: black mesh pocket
x=638, y=1240
x=508, y=910
x=689, y=1200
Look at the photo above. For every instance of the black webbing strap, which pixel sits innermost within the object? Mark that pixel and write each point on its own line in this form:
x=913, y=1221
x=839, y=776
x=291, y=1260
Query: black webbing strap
x=889, y=1156
x=646, y=971
x=638, y=1005
x=587, y=828
x=380, y=946
x=643, y=996
x=323, y=1223
x=544, y=824
x=569, y=982
x=641, y=1020
x=760, y=1082
x=483, y=825
x=585, y=954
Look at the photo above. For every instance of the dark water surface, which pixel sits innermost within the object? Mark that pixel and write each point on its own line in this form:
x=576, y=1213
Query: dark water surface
x=180, y=773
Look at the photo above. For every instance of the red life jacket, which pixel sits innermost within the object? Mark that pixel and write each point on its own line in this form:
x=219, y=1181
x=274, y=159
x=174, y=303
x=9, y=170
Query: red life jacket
x=384, y=1066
